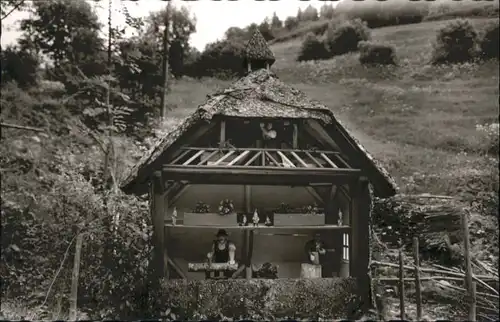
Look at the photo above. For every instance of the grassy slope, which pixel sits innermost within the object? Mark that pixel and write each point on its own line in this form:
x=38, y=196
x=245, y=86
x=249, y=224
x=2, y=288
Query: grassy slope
x=419, y=120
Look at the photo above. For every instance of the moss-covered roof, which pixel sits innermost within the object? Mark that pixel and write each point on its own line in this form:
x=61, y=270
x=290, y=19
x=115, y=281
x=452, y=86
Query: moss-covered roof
x=257, y=49
x=260, y=94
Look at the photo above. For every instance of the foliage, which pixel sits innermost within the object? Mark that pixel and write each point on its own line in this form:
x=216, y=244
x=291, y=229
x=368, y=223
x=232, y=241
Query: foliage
x=376, y=53
x=309, y=14
x=276, y=23
x=265, y=30
x=326, y=11
x=19, y=66
x=312, y=49
x=455, y=43
x=445, y=10
x=64, y=30
x=489, y=40
x=344, y=37
x=226, y=207
x=201, y=208
x=312, y=209
x=291, y=23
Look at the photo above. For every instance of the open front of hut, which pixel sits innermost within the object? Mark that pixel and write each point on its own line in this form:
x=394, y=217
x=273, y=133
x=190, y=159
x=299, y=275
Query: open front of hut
x=273, y=170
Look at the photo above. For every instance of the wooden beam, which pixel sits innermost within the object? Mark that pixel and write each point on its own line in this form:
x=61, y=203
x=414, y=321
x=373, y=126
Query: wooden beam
x=252, y=159
x=207, y=157
x=191, y=159
x=295, y=136
x=273, y=160
x=216, y=267
x=295, y=155
x=264, y=228
x=248, y=259
x=260, y=175
x=238, y=158
x=179, y=194
x=284, y=158
x=182, y=155
x=328, y=160
x=313, y=159
x=157, y=213
x=224, y=157
x=317, y=131
x=315, y=195
x=176, y=268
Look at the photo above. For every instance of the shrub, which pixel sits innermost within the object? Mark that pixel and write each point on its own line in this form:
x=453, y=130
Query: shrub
x=312, y=49
x=488, y=42
x=345, y=37
x=19, y=66
x=375, y=53
x=291, y=23
x=455, y=43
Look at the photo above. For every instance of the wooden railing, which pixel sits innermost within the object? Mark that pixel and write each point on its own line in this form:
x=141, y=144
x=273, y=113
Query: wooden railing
x=251, y=157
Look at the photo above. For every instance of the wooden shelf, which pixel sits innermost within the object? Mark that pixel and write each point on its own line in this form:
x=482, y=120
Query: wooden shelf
x=323, y=227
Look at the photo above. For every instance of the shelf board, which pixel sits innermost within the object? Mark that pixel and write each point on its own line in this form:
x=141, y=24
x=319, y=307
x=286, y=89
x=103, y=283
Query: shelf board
x=322, y=227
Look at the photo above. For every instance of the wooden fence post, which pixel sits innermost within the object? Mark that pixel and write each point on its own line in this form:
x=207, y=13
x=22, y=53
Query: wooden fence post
x=74, y=278
x=401, y=285
x=418, y=291
x=468, y=268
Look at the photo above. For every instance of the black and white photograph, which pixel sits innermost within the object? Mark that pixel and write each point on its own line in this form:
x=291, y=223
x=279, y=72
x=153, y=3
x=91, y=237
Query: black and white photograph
x=227, y=160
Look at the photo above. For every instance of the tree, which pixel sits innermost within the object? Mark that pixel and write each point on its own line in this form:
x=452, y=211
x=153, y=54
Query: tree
x=276, y=23
x=310, y=14
x=265, y=30
x=326, y=11
x=66, y=31
x=299, y=15
x=291, y=23
x=19, y=66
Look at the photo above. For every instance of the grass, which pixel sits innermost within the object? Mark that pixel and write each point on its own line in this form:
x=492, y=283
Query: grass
x=419, y=120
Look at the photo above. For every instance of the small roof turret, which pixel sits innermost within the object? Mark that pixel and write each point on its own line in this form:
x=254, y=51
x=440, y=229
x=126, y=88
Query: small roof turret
x=257, y=52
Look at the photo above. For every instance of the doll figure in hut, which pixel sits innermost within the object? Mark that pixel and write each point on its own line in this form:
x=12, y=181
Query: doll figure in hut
x=223, y=250
x=315, y=250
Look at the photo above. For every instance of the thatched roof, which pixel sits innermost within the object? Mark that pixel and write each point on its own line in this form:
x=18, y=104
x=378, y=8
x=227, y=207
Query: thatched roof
x=259, y=94
x=257, y=49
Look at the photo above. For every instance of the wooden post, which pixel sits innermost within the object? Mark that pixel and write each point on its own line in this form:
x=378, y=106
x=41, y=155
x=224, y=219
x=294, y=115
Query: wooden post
x=472, y=309
x=222, y=133
x=401, y=285
x=248, y=234
x=74, y=278
x=468, y=267
x=418, y=291
x=332, y=218
x=157, y=212
x=295, y=136
x=248, y=273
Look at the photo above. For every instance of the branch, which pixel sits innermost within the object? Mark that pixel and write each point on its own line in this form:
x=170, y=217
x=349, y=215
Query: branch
x=13, y=9
x=21, y=127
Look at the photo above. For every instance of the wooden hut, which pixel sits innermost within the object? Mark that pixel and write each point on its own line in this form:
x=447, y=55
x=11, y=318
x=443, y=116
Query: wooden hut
x=269, y=149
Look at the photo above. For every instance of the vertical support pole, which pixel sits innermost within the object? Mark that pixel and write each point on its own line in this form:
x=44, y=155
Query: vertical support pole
x=345, y=270
x=334, y=237
x=249, y=66
x=248, y=234
x=418, y=290
x=267, y=65
x=401, y=286
x=74, y=278
x=468, y=267
x=359, y=243
x=158, y=212
x=472, y=310
x=222, y=133
x=295, y=136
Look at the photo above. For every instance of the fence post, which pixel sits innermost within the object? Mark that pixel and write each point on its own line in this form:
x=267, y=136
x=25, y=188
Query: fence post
x=468, y=268
x=418, y=291
x=401, y=285
x=74, y=278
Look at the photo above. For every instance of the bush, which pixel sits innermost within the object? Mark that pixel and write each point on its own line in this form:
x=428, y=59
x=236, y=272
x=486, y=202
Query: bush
x=291, y=23
x=19, y=66
x=377, y=54
x=488, y=42
x=455, y=43
x=345, y=37
x=312, y=49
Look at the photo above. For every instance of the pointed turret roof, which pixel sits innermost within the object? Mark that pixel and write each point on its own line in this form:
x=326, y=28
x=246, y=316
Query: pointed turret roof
x=260, y=94
x=257, y=49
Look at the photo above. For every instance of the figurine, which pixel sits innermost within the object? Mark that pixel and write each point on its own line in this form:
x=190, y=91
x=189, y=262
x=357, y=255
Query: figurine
x=244, y=220
x=255, y=218
x=268, y=221
x=174, y=216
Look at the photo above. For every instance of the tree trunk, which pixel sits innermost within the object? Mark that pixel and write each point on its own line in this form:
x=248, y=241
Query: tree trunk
x=165, y=65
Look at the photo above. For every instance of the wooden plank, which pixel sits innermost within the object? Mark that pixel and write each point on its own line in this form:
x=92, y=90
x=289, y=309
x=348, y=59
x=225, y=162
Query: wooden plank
x=328, y=160
x=288, y=161
x=316, y=130
x=272, y=158
x=224, y=157
x=176, y=267
x=248, y=259
x=216, y=267
x=182, y=155
x=314, y=159
x=157, y=213
x=296, y=156
x=308, y=228
x=207, y=157
x=193, y=148
x=238, y=158
x=191, y=159
x=260, y=175
x=252, y=159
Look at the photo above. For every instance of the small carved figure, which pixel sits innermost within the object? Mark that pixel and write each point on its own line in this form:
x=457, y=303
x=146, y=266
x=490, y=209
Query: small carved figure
x=244, y=220
x=255, y=218
x=268, y=221
x=174, y=217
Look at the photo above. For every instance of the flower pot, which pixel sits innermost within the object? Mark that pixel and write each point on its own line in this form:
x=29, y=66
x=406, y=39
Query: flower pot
x=209, y=219
x=299, y=219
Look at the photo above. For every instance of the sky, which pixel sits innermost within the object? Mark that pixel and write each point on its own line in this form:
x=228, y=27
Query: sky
x=213, y=18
